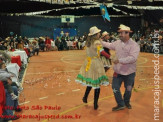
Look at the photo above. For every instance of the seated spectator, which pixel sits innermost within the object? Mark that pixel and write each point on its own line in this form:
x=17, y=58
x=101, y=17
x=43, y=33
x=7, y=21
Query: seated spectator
x=20, y=44
x=161, y=44
x=52, y=45
x=47, y=43
x=63, y=45
x=149, y=45
x=5, y=77
x=41, y=43
x=6, y=58
x=75, y=44
x=83, y=44
x=12, y=43
x=58, y=43
x=11, y=104
x=11, y=98
x=10, y=91
x=12, y=46
x=30, y=45
x=35, y=47
x=3, y=46
x=141, y=43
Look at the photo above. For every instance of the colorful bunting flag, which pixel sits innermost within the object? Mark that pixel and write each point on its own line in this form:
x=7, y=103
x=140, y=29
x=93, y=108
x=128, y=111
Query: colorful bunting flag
x=104, y=12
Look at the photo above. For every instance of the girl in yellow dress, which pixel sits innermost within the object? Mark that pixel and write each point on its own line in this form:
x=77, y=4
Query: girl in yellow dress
x=92, y=73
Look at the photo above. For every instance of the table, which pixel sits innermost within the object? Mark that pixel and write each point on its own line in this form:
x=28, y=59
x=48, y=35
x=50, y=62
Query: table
x=16, y=59
x=14, y=69
x=23, y=55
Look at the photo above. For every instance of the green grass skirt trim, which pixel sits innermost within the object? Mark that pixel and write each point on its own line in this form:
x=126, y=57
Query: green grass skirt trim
x=103, y=80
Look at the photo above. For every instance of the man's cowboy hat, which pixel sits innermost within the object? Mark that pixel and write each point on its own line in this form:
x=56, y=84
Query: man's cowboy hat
x=93, y=30
x=124, y=28
x=104, y=34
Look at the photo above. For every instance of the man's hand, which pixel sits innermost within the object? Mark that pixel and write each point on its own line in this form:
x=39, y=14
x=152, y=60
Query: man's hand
x=115, y=60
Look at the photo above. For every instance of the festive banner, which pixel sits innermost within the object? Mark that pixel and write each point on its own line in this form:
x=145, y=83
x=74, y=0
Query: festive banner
x=104, y=12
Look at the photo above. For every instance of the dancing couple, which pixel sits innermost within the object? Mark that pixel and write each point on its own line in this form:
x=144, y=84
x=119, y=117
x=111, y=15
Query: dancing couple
x=93, y=71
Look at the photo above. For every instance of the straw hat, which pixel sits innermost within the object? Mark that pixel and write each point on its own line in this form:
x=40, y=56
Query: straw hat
x=104, y=34
x=124, y=28
x=93, y=30
x=7, y=39
x=42, y=38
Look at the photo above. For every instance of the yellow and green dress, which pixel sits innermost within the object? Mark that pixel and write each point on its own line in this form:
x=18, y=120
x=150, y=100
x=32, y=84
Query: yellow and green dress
x=92, y=72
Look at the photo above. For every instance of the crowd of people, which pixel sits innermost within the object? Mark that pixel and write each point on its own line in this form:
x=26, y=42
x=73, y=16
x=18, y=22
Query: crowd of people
x=148, y=44
x=35, y=45
x=65, y=42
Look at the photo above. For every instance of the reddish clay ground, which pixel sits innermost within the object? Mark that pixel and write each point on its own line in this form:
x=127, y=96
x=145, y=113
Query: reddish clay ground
x=50, y=81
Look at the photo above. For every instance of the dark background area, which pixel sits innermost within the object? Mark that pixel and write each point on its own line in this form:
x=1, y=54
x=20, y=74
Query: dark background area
x=40, y=26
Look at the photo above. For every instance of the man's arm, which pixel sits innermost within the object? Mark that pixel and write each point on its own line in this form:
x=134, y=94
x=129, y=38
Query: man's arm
x=108, y=45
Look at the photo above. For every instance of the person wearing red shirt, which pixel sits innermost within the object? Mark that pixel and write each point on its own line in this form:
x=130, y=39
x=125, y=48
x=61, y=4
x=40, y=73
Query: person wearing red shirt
x=47, y=43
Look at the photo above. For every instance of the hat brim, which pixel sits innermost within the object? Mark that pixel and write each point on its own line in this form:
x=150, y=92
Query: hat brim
x=125, y=31
x=94, y=33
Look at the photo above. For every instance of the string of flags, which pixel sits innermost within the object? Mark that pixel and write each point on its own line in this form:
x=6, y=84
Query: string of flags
x=103, y=9
x=141, y=7
x=64, y=1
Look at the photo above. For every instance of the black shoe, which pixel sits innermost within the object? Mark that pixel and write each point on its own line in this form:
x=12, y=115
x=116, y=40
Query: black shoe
x=96, y=96
x=95, y=106
x=88, y=89
x=18, y=109
x=117, y=108
x=106, y=69
x=128, y=106
x=84, y=100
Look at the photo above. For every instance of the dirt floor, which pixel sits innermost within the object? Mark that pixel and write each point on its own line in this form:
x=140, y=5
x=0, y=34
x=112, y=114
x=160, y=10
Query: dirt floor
x=50, y=89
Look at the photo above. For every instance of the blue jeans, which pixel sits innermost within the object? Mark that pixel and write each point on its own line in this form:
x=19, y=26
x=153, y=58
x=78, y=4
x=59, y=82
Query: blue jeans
x=128, y=83
x=10, y=102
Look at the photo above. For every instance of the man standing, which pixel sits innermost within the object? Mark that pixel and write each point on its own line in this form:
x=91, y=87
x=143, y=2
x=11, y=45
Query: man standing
x=127, y=52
